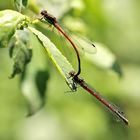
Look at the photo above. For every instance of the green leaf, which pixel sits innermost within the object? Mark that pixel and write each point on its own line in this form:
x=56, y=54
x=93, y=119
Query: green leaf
x=34, y=80
x=25, y=2
x=20, y=4
x=104, y=58
x=41, y=79
x=20, y=51
x=117, y=68
x=59, y=60
x=9, y=22
x=34, y=87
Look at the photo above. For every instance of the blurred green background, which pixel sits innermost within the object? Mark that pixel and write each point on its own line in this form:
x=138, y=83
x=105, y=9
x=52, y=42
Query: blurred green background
x=78, y=116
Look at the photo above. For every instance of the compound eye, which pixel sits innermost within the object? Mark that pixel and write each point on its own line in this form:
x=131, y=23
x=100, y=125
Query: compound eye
x=72, y=73
x=43, y=12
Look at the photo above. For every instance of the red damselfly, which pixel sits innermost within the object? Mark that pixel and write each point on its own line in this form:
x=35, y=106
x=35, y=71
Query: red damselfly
x=53, y=21
x=84, y=85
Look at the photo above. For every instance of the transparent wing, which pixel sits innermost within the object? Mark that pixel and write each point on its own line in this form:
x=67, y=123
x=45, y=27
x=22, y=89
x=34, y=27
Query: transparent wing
x=81, y=43
x=84, y=44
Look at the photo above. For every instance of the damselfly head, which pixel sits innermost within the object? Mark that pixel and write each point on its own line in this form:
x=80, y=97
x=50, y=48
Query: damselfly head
x=72, y=73
x=44, y=12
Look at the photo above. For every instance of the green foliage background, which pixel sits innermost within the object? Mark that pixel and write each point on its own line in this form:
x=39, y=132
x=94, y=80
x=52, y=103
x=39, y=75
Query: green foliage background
x=78, y=116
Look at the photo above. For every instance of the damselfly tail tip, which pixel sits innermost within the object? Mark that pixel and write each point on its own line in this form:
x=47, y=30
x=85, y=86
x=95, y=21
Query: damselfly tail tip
x=126, y=121
x=123, y=118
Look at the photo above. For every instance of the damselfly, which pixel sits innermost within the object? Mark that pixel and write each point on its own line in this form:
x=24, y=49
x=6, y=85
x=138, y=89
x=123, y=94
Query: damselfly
x=53, y=21
x=76, y=80
x=84, y=85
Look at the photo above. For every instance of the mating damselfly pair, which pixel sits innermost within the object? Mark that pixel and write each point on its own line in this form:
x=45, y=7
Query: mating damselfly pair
x=75, y=75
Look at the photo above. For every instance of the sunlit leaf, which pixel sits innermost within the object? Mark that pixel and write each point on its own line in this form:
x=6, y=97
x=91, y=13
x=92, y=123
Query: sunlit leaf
x=78, y=6
x=75, y=24
x=104, y=58
x=9, y=22
x=59, y=60
x=35, y=78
